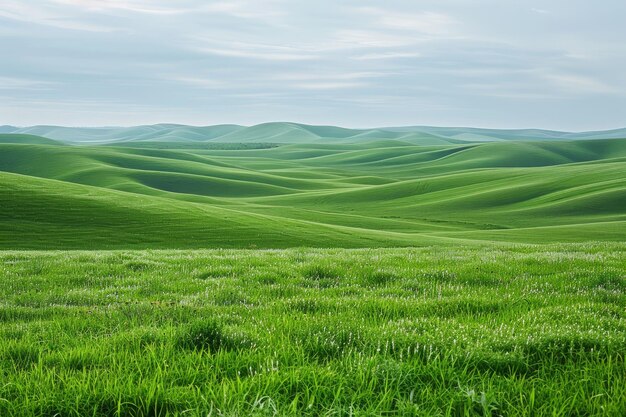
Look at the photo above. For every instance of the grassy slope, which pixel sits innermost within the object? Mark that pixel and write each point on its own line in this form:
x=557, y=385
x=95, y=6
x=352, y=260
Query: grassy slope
x=460, y=327
x=379, y=193
x=39, y=213
x=18, y=138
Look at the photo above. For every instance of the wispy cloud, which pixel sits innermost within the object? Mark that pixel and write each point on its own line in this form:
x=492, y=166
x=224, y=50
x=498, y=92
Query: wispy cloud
x=387, y=55
x=430, y=23
x=572, y=83
x=258, y=9
x=539, y=84
x=328, y=85
x=150, y=7
x=361, y=38
x=328, y=80
x=329, y=76
x=251, y=50
x=251, y=54
x=29, y=13
x=200, y=82
x=509, y=90
x=394, y=61
x=22, y=84
x=237, y=8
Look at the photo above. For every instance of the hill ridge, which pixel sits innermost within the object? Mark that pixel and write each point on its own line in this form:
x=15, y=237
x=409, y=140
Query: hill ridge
x=291, y=132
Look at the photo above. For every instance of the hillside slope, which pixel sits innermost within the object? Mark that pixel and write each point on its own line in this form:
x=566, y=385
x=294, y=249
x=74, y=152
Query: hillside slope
x=379, y=193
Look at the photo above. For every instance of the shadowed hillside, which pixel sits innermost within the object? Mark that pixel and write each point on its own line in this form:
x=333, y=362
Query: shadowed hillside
x=386, y=192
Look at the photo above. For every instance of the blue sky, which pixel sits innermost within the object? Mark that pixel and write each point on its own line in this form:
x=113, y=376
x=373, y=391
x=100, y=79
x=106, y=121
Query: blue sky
x=489, y=63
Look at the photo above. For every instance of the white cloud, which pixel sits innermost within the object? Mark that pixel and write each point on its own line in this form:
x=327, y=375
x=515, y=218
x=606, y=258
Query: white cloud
x=237, y=8
x=245, y=9
x=329, y=81
x=430, y=23
x=387, y=55
x=250, y=54
x=355, y=38
x=579, y=84
x=258, y=9
x=124, y=5
x=346, y=76
x=25, y=84
x=200, y=82
x=250, y=50
x=509, y=90
x=328, y=85
x=23, y=12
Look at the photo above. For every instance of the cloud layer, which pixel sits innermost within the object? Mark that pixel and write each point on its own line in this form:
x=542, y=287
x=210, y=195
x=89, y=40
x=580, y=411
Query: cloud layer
x=358, y=63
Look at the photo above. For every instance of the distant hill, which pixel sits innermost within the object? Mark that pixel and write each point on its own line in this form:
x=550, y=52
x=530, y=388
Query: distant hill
x=293, y=133
x=8, y=129
x=23, y=139
x=99, y=135
x=374, y=193
x=488, y=135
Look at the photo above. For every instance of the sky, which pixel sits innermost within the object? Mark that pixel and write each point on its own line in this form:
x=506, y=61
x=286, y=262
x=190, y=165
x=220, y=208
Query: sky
x=555, y=64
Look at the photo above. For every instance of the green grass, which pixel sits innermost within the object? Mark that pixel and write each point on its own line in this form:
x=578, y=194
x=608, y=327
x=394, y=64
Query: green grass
x=398, y=272
x=460, y=331
x=383, y=193
x=54, y=214
x=26, y=139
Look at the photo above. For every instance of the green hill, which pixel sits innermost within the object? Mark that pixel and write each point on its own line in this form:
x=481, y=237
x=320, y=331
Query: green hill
x=385, y=192
x=157, y=133
x=487, y=135
x=8, y=129
x=296, y=133
x=23, y=139
x=42, y=213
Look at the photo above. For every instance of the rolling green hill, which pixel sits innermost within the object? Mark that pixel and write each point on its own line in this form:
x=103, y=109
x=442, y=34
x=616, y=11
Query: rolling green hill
x=487, y=135
x=296, y=133
x=24, y=139
x=369, y=193
x=41, y=213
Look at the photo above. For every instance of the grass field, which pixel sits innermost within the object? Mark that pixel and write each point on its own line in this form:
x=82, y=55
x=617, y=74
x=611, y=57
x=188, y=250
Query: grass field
x=292, y=270
x=375, y=193
x=475, y=330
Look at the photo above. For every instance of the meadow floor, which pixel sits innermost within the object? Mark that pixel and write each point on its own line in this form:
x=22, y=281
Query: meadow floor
x=477, y=330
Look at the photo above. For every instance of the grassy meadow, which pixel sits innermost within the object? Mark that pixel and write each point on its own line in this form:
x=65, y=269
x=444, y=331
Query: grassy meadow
x=479, y=330
x=373, y=193
x=291, y=270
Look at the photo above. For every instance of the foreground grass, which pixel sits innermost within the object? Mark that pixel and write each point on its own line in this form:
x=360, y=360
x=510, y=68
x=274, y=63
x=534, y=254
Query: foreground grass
x=519, y=330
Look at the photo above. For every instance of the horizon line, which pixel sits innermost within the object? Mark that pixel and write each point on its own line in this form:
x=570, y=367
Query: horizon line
x=311, y=124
